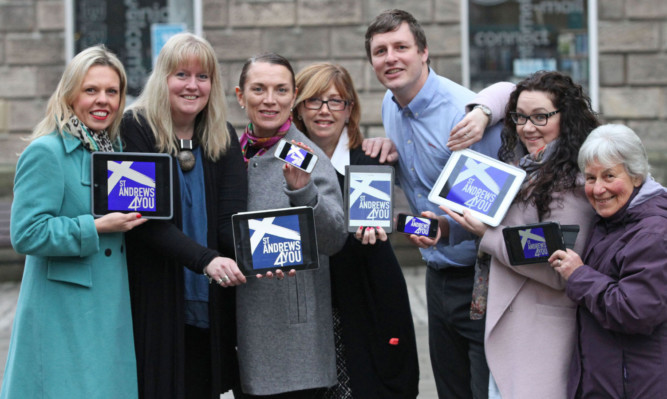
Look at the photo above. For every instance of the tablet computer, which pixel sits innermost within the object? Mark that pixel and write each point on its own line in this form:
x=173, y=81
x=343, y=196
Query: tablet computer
x=275, y=239
x=132, y=182
x=369, y=193
x=533, y=243
x=479, y=183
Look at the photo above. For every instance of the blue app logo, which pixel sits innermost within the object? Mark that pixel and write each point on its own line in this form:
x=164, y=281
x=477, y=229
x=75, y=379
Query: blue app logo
x=275, y=241
x=131, y=186
x=415, y=225
x=370, y=199
x=477, y=186
x=296, y=156
x=533, y=243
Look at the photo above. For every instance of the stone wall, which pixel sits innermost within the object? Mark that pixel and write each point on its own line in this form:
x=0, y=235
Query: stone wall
x=632, y=44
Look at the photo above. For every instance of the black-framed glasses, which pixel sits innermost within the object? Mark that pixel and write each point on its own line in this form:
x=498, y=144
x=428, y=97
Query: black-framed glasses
x=334, y=104
x=535, y=119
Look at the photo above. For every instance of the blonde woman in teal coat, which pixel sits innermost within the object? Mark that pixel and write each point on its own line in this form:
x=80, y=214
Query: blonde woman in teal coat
x=72, y=334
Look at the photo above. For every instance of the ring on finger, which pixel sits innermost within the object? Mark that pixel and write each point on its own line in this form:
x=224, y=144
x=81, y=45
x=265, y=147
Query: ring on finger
x=225, y=279
x=558, y=262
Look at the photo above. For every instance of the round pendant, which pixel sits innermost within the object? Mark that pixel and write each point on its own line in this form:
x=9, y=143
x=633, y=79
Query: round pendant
x=186, y=160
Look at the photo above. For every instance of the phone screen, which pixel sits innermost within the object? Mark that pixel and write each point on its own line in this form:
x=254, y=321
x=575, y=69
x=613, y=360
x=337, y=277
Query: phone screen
x=417, y=225
x=295, y=155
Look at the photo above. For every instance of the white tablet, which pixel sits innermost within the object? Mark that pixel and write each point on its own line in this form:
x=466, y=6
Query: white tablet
x=132, y=182
x=479, y=183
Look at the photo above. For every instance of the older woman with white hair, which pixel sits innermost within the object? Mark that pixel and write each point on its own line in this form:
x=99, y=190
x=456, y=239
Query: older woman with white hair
x=621, y=284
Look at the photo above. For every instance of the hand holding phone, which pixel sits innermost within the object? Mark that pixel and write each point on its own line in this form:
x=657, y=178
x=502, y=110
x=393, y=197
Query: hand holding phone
x=418, y=225
x=295, y=155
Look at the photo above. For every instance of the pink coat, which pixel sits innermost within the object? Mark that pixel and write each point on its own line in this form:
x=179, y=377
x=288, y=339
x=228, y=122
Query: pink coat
x=530, y=322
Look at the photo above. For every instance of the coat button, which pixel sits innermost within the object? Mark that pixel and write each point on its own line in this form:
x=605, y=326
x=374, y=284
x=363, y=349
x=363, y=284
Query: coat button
x=254, y=164
x=107, y=252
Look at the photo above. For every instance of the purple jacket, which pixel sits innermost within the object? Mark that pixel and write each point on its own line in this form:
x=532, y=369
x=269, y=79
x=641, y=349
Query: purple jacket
x=621, y=291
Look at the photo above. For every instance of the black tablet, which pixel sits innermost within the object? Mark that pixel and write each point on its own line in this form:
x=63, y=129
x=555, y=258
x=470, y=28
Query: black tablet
x=533, y=243
x=481, y=184
x=275, y=239
x=369, y=192
x=132, y=182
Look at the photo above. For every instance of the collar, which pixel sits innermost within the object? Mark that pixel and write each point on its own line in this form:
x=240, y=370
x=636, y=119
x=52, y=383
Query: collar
x=71, y=143
x=424, y=97
x=341, y=155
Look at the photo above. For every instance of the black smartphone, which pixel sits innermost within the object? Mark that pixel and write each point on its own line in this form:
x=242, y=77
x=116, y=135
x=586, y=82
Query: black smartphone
x=295, y=155
x=419, y=225
x=533, y=243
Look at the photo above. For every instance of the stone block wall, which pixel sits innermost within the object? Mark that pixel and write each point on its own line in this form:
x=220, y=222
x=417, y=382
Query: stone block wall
x=632, y=53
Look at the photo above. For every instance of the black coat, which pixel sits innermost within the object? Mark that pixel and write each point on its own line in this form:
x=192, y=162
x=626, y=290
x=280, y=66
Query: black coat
x=156, y=254
x=369, y=291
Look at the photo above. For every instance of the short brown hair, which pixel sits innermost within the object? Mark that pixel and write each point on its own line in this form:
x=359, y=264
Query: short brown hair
x=389, y=21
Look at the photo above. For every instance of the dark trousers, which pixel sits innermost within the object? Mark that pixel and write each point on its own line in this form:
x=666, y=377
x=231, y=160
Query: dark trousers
x=456, y=343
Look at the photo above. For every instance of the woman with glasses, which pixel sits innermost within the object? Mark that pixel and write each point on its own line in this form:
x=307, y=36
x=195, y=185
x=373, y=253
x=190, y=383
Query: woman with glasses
x=530, y=321
x=375, y=338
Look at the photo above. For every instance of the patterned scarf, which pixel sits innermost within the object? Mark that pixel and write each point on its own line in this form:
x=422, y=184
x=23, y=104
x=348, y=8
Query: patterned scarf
x=248, y=140
x=92, y=141
x=532, y=163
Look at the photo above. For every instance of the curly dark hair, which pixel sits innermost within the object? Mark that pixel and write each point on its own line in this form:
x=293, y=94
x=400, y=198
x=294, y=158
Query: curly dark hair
x=577, y=120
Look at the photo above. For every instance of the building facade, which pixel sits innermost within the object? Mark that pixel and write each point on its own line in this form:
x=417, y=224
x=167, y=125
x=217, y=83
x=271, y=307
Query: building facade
x=632, y=56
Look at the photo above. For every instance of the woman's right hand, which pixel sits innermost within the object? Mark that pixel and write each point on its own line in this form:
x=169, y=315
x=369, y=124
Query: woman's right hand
x=118, y=222
x=225, y=272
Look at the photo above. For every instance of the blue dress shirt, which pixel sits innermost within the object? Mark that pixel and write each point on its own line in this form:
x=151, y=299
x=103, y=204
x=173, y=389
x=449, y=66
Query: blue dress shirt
x=420, y=132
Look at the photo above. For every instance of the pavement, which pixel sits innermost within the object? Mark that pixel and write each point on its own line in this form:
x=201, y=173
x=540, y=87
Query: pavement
x=414, y=276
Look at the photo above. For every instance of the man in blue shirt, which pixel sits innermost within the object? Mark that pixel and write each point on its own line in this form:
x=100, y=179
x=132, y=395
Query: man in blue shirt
x=418, y=112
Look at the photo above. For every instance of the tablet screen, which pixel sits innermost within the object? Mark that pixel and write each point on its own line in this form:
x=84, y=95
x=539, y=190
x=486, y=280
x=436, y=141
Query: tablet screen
x=532, y=243
x=368, y=196
x=275, y=239
x=481, y=184
x=132, y=182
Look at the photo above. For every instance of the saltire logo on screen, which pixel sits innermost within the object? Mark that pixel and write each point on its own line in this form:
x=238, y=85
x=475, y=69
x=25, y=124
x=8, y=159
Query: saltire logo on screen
x=296, y=156
x=275, y=241
x=533, y=243
x=370, y=199
x=415, y=225
x=477, y=186
x=131, y=186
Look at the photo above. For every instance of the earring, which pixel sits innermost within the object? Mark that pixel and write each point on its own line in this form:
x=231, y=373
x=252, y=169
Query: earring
x=299, y=117
x=242, y=106
x=347, y=121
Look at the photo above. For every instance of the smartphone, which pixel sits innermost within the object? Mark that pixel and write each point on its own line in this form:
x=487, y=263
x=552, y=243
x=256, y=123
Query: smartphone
x=533, y=243
x=295, y=155
x=418, y=225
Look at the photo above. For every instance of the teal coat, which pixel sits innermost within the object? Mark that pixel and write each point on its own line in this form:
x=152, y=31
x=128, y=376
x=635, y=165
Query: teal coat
x=72, y=333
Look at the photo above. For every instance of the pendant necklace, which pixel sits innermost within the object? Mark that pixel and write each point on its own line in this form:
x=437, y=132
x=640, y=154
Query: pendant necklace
x=186, y=159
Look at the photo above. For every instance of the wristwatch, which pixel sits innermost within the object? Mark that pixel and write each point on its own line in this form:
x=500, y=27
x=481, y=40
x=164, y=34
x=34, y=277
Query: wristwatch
x=484, y=109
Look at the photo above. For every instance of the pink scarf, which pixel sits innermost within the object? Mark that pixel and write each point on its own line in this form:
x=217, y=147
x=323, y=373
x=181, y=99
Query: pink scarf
x=248, y=140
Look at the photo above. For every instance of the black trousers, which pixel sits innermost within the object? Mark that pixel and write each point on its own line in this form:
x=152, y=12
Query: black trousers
x=456, y=343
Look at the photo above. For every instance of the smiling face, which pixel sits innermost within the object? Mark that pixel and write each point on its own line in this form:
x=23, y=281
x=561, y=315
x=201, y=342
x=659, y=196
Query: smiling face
x=536, y=137
x=268, y=95
x=325, y=126
x=189, y=89
x=608, y=189
x=398, y=63
x=96, y=105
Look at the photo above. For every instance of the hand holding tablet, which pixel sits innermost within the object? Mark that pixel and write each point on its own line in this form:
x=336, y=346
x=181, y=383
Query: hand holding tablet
x=483, y=185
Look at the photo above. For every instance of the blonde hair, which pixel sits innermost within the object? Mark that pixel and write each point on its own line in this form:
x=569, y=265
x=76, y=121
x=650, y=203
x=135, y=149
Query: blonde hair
x=153, y=103
x=59, y=108
x=316, y=79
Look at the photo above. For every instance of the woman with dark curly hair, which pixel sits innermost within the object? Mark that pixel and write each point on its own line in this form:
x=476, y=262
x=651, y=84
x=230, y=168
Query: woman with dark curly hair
x=530, y=322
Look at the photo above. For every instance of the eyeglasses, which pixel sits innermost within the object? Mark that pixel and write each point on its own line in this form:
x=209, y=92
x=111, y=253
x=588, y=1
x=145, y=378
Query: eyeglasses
x=535, y=119
x=334, y=104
